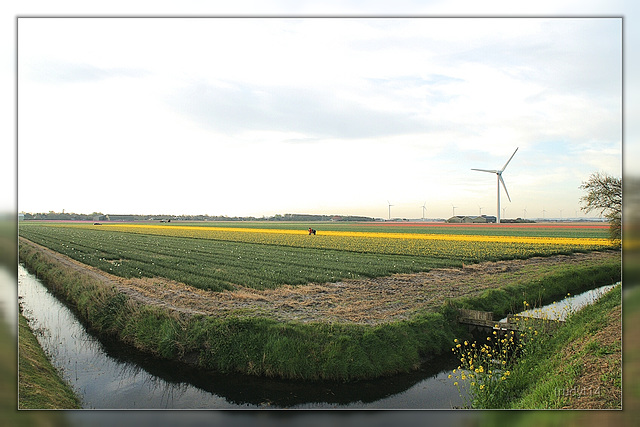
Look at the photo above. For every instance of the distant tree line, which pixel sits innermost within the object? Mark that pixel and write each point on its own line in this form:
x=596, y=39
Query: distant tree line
x=99, y=216
x=67, y=216
x=318, y=218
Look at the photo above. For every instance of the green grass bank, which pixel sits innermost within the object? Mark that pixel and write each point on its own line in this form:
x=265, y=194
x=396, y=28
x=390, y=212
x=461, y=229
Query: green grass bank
x=579, y=366
x=40, y=386
x=266, y=347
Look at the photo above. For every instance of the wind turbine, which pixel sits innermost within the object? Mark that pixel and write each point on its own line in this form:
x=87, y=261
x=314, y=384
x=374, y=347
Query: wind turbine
x=424, y=210
x=389, y=209
x=480, y=209
x=499, y=180
x=454, y=209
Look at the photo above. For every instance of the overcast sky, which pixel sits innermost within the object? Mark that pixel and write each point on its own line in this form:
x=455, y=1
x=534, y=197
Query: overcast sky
x=258, y=116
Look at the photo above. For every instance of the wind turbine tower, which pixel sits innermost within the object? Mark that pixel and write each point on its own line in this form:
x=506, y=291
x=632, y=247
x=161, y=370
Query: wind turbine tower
x=499, y=180
x=389, y=209
x=424, y=210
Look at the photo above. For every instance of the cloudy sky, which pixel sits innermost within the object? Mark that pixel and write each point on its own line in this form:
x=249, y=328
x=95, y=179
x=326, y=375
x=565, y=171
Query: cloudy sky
x=335, y=115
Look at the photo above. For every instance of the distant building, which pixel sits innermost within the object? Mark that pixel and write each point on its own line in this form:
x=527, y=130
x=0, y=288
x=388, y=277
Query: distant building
x=110, y=217
x=475, y=219
x=20, y=217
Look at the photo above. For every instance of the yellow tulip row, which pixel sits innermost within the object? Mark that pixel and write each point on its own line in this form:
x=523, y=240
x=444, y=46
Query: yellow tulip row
x=438, y=245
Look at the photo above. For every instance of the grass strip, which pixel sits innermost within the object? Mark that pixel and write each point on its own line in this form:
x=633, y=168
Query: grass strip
x=553, y=374
x=40, y=386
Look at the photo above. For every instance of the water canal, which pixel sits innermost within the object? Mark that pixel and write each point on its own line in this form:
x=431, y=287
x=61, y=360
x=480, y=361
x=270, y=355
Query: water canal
x=108, y=375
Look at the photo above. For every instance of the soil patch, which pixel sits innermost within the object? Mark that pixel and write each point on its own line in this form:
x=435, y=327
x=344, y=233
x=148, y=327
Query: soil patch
x=366, y=301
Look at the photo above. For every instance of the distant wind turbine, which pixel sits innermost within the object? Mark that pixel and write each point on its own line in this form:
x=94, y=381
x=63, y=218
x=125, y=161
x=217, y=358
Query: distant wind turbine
x=454, y=210
x=500, y=180
x=424, y=210
x=389, y=209
x=480, y=209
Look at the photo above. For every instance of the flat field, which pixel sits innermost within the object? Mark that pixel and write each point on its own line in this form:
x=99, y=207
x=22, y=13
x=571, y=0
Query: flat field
x=266, y=255
x=353, y=301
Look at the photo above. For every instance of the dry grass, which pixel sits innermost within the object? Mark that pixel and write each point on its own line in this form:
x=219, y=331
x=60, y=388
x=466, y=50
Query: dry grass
x=366, y=301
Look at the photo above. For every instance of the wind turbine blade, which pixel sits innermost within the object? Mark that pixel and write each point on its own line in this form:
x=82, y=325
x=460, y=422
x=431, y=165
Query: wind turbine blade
x=505, y=165
x=485, y=170
x=504, y=186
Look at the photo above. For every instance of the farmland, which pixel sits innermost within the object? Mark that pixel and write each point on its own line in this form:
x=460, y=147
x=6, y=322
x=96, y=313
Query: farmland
x=269, y=299
x=267, y=255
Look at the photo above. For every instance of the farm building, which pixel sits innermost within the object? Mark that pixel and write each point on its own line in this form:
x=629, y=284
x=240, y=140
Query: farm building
x=476, y=219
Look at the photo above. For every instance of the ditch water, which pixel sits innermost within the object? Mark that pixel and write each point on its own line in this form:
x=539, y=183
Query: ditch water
x=108, y=375
x=561, y=309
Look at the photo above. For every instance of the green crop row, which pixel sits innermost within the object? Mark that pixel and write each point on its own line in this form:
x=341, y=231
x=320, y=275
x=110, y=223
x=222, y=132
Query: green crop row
x=218, y=265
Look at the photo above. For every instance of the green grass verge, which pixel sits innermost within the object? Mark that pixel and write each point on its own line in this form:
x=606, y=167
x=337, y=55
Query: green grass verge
x=39, y=384
x=547, y=375
x=9, y=415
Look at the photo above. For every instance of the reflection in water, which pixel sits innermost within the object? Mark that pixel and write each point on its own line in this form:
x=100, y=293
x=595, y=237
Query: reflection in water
x=106, y=374
x=562, y=309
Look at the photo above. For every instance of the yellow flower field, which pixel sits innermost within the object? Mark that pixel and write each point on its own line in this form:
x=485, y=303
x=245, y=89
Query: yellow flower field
x=435, y=245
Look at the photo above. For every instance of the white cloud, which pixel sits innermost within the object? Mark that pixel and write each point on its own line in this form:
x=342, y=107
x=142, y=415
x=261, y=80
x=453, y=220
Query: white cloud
x=259, y=116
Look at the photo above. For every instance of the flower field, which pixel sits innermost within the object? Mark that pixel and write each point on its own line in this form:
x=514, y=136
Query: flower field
x=265, y=256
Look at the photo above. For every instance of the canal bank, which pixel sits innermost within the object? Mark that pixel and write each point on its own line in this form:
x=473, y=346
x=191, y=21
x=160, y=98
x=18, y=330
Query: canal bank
x=296, y=350
x=577, y=366
x=40, y=384
x=107, y=374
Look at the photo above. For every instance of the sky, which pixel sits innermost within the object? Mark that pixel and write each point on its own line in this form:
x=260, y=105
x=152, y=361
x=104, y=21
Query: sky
x=342, y=114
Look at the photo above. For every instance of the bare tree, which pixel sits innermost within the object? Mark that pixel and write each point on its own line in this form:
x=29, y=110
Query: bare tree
x=604, y=194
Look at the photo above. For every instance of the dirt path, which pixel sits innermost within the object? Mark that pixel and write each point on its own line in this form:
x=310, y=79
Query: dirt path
x=368, y=301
